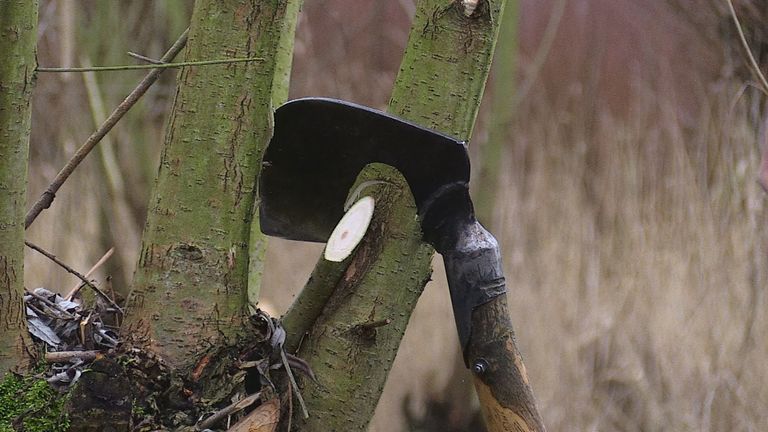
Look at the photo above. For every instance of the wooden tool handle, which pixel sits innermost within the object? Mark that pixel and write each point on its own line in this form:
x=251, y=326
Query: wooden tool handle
x=478, y=293
x=506, y=398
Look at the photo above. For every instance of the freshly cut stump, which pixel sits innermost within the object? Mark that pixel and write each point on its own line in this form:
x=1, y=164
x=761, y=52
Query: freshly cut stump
x=350, y=230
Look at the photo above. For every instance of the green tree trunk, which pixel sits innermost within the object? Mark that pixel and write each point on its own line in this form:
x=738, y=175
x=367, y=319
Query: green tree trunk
x=440, y=85
x=486, y=183
x=18, y=39
x=190, y=285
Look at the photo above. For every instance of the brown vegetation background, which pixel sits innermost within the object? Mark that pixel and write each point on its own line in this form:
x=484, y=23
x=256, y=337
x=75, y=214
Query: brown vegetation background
x=633, y=230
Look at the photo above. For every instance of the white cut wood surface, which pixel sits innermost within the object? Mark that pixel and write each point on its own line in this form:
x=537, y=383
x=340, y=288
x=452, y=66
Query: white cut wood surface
x=350, y=230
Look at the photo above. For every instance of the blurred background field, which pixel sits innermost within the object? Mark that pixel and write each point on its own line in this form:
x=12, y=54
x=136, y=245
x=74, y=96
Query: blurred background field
x=634, y=231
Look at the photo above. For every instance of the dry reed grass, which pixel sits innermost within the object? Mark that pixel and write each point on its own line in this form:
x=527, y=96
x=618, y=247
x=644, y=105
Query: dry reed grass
x=633, y=230
x=637, y=256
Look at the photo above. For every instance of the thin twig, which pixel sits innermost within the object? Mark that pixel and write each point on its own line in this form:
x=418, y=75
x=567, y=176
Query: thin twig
x=69, y=269
x=63, y=356
x=46, y=199
x=290, y=407
x=229, y=410
x=144, y=58
x=61, y=264
x=73, y=291
x=752, y=61
x=109, y=300
x=34, y=308
x=300, y=365
x=61, y=313
x=162, y=65
x=295, y=386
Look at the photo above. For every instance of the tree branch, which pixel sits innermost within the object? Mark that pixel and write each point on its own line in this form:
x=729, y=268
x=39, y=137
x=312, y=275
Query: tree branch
x=46, y=199
x=161, y=65
x=77, y=274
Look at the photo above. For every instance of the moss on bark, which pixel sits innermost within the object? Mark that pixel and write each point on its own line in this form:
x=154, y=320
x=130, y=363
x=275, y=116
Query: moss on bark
x=190, y=286
x=30, y=404
x=18, y=39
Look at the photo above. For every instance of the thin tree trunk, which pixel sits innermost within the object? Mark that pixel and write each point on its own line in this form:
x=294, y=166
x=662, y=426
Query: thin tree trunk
x=283, y=64
x=354, y=341
x=18, y=39
x=440, y=85
x=190, y=285
x=503, y=88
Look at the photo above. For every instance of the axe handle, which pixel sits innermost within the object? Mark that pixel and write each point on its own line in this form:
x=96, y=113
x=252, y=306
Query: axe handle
x=501, y=381
x=478, y=293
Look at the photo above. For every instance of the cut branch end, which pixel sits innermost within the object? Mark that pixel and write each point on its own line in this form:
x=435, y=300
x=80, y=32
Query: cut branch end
x=350, y=230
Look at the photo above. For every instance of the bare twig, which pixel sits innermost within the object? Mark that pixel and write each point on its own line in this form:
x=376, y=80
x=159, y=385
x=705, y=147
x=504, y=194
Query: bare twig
x=69, y=269
x=290, y=408
x=298, y=364
x=109, y=300
x=60, y=313
x=63, y=356
x=144, y=58
x=229, y=410
x=73, y=291
x=36, y=309
x=752, y=61
x=47, y=197
x=295, y=386
x=61, y=264
x=162, y=65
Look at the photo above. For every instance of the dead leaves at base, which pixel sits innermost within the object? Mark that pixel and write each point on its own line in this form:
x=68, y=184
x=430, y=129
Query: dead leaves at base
x=262, y=419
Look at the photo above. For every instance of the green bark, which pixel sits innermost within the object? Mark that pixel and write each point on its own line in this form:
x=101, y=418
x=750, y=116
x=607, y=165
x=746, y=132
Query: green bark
x=446, y=65
x=18, y=39
x=440, y=85
x=502, y=112
x=300, y=317
x=284, y=60
x=280, y=87
x=354, y=341
x=190, y=285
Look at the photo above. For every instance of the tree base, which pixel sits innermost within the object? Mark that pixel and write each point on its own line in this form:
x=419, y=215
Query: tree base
x=135, y=390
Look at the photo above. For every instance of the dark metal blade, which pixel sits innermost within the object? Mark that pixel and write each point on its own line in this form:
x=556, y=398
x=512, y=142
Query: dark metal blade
x=319, y=147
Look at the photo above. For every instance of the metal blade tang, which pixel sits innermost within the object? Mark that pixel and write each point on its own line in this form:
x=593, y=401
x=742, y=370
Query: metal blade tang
x=471, y=255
